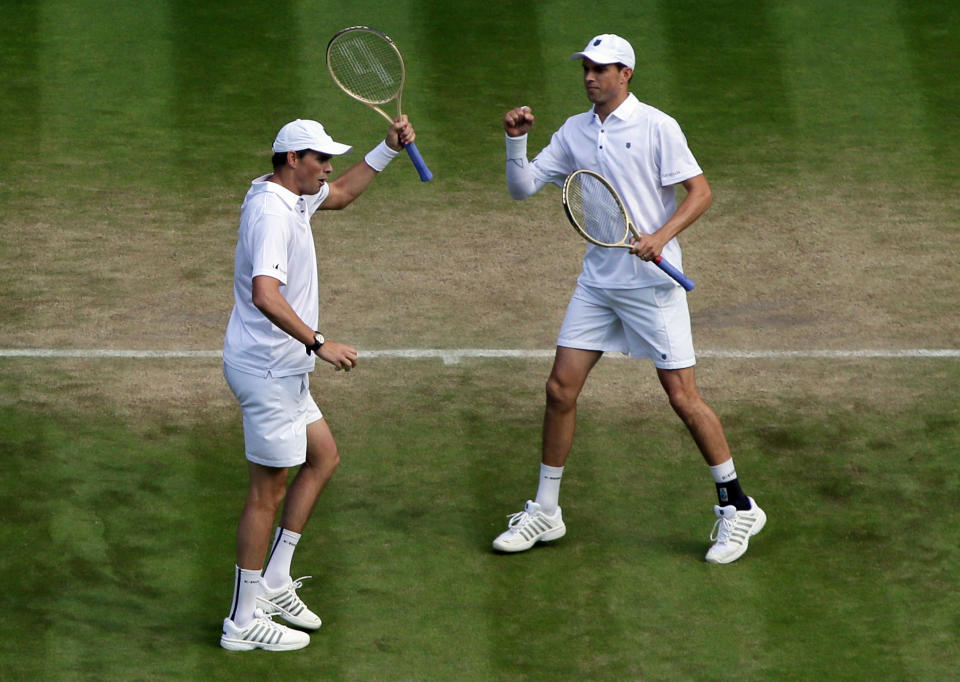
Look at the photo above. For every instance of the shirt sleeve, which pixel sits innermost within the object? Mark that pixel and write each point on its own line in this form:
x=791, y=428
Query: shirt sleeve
x=553, y=163
x=268, y=246
x=676, y=160
x=526, y=178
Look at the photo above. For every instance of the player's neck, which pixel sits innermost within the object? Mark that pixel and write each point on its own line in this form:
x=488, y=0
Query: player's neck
x=285, y=182
x=606, y=108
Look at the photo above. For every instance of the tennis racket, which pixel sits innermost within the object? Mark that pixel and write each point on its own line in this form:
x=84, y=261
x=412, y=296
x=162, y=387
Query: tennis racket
x=597, y=213
x=367, y=65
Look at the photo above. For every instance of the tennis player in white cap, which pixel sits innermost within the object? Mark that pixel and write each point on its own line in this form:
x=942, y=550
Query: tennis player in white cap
x=622, y=302
x=269, y=351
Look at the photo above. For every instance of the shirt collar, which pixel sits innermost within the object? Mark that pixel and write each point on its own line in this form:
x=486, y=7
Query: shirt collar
x=288, y=197
x=625, y=110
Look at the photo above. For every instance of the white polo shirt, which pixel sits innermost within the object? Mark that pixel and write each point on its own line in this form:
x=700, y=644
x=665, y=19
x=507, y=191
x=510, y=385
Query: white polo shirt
x=274, y=239
x=643, y=153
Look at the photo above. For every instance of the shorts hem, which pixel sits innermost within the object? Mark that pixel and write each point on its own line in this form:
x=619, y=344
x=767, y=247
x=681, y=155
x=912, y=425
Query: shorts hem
x=578, y=345
x=275, y=464
x=676, y=364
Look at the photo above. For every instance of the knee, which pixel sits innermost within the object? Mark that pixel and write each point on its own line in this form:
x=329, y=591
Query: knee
x=560, y=395
x=684, y=402
x=268, y=498
x=325, y=463
x=332, y=461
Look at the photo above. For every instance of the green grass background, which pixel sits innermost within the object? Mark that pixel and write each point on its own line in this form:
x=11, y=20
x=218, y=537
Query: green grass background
x=118, y=535
x=119, y=514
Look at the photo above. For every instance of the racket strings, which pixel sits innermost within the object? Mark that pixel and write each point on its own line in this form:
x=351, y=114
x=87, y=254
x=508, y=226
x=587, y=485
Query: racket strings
x=596, y=210
x=367, y=66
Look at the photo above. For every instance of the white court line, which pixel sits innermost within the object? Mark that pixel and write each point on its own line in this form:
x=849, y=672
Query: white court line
x=453, y=355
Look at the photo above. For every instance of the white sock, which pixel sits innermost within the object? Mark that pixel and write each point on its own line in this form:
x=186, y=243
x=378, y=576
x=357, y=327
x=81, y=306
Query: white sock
x=246, y=587
x=724, y=472
x=548, y=492
x=277, y=573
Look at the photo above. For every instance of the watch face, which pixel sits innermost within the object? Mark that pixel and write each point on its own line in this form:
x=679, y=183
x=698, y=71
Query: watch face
x=319, y=339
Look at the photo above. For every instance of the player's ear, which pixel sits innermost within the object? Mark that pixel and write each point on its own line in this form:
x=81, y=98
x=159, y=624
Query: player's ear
x=627, y=73
x=292, y=158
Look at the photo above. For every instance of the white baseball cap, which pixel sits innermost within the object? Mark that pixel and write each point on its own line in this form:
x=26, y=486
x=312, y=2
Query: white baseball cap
x=307, y=134
x=607, y=48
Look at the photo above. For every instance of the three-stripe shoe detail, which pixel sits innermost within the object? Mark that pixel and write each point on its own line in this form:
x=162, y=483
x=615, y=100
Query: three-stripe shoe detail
x=528, y=527
x=733, y=530
x=261, y=633
x=286, y=604
x=533, y=528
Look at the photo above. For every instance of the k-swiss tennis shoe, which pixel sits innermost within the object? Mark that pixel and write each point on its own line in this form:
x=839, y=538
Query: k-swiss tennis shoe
x=528, y=527
x=262, y=633
x=733, y=530
x=286, y=604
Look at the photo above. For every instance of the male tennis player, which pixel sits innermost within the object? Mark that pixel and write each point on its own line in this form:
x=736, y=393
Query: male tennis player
x=270, y=348
x=622, y=301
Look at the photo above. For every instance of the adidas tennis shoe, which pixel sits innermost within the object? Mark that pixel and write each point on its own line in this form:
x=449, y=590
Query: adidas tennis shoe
x=262, y=633
x=528, y=527
x=286, y=604
x=733, y=530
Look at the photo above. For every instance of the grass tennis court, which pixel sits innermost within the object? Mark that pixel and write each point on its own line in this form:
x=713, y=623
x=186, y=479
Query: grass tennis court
x=830, y=136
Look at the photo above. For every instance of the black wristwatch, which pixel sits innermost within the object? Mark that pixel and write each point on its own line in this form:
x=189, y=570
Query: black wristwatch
x=318, y=341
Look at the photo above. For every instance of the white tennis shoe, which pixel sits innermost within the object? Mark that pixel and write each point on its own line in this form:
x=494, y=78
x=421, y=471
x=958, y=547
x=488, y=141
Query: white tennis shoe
x=286, y=604
x=528, y=527
x=261, y=633
x=733, y=530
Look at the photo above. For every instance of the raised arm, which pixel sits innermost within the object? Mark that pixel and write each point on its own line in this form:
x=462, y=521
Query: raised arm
x=520, y=181
x=355, y=180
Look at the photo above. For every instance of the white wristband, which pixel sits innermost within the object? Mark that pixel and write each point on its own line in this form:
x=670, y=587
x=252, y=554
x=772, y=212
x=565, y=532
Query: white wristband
x=378, y=157
x=517, y=147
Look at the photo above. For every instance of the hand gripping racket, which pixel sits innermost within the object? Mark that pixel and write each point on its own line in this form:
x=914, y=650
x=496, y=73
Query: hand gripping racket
x=367, y=65
x=596, y=211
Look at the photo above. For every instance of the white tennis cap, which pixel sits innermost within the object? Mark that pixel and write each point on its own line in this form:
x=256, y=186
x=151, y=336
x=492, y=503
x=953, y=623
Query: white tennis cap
x=608, y=48
x=307, y=134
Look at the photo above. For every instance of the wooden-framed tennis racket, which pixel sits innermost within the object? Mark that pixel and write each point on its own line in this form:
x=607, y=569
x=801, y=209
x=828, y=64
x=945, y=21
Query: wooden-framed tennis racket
x=367, y=65
x=596, y=211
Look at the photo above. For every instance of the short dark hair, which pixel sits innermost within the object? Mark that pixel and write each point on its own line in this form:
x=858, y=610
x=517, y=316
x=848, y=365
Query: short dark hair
x=280, y=158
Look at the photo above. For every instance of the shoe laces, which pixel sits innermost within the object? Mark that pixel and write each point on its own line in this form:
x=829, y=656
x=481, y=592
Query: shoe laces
x=294, y=585
x=298, y=583
x=517, y=520
x=267, y=616
x=721, y=530
x=270, y=609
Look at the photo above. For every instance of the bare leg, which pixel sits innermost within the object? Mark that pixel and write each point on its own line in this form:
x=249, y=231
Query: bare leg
x=700, y=419
x=267, y=488
x=570, y=369
x=312, y=478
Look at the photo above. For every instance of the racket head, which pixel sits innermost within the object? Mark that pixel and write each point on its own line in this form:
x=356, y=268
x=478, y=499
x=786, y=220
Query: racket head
x=366, y=64
x=595, y=209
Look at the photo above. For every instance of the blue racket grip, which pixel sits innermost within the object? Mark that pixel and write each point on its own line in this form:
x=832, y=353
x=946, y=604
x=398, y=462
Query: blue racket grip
x=681, y=278
x=419, y=163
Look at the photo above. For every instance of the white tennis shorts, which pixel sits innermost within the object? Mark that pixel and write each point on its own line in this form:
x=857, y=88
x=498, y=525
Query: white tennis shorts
x=650, y=322
x=276, y=412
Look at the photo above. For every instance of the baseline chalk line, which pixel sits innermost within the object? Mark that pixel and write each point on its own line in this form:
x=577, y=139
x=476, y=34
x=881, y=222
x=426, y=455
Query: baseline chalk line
x=451, y=356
